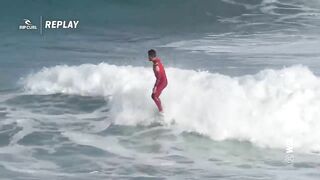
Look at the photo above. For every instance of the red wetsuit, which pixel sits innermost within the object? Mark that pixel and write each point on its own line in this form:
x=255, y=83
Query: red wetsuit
x=161, y=81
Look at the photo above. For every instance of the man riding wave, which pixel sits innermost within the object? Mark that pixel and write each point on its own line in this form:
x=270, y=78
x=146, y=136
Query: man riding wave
x=161, y=78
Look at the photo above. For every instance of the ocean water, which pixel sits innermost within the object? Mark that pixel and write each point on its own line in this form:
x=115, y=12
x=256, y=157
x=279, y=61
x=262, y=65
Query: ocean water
x=242, y=101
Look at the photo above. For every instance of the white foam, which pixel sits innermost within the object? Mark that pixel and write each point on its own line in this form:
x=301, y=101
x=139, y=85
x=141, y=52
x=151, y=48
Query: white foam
x=267, y=108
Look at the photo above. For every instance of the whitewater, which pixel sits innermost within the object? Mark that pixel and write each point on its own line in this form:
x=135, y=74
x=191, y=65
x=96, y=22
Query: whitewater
x=267, y=109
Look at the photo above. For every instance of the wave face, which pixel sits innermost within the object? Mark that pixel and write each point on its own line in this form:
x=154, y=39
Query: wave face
x=268, y=109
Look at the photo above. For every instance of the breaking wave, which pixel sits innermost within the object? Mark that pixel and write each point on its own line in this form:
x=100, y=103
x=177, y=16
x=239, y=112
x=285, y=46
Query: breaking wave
x=268, y=109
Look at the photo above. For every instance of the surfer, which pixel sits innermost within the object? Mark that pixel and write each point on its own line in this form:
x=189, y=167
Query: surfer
x=161, y=78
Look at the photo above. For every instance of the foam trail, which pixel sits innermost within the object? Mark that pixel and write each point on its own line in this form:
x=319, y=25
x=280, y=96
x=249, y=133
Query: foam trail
x=267, y=109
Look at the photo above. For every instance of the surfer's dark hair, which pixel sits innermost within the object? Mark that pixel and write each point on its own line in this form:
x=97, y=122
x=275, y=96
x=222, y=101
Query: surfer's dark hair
x=152, y=53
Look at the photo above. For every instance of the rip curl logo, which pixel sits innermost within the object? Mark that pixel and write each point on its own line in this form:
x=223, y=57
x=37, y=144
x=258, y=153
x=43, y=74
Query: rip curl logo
x=27, y=22
x=27, y=25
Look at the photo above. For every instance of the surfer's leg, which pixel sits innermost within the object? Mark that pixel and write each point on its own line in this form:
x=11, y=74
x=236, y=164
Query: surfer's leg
x=155, y=96
x=156, y=99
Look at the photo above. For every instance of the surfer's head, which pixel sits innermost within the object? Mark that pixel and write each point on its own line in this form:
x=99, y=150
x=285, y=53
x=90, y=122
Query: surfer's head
x=151, y=54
